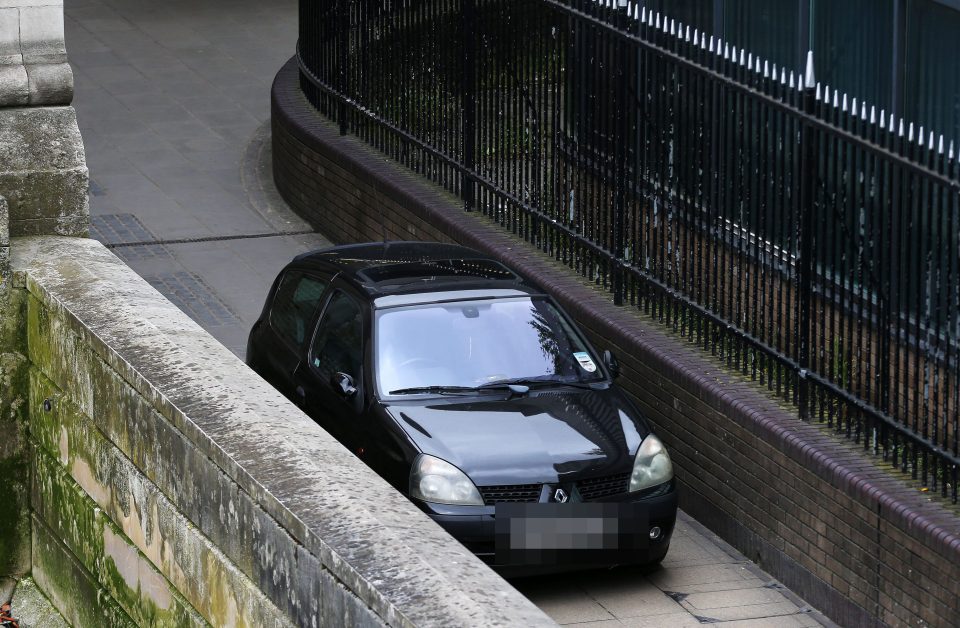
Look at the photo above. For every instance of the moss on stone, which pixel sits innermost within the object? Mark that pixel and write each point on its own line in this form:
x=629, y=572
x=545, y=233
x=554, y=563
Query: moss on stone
x=14, y=463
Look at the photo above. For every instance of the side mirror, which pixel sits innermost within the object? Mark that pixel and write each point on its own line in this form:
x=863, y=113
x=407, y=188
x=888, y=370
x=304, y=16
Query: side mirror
x=611, y=363
x=343, y=384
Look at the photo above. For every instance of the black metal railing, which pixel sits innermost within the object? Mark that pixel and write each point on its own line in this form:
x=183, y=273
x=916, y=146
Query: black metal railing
x=809, y=241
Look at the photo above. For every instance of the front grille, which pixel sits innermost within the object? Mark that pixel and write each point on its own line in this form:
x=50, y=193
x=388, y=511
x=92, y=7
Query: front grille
x=595, y=488
x=510, y=493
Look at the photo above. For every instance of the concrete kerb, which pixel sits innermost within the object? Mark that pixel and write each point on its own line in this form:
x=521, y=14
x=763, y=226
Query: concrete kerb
x=231, y=415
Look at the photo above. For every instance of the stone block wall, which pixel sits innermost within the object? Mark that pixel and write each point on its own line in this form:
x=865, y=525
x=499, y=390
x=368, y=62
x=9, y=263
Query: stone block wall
x=850, y=537
x=43, y=171
x=14, y=463
x=172, y=486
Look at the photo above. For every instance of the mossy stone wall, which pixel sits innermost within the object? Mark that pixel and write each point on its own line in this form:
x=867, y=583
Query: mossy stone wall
x=14, y=461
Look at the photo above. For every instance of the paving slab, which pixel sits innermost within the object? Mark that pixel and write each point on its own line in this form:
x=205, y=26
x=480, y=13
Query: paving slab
x=173, y=101
x=701, y=581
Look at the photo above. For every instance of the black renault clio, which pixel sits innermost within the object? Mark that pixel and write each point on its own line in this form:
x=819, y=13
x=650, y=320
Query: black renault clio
x=468, y=389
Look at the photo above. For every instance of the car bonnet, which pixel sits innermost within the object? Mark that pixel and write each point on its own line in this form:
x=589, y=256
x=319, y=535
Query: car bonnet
x=546, y=436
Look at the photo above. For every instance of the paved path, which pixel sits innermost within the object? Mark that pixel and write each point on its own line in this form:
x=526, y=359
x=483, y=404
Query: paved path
x=173, y=102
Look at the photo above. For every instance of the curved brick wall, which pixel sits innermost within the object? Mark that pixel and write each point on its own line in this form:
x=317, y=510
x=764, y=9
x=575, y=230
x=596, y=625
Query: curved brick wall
x=850, y=538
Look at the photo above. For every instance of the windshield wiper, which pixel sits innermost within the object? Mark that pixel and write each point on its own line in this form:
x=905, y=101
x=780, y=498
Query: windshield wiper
x=535, y=383
x=438, y=390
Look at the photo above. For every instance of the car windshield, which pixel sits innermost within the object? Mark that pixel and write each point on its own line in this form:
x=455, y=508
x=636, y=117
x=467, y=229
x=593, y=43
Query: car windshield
x=466, y=344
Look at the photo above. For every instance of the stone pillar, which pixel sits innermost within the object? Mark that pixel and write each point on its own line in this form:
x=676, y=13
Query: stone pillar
x=43, y=190
x=33, y=58
x=43, y=172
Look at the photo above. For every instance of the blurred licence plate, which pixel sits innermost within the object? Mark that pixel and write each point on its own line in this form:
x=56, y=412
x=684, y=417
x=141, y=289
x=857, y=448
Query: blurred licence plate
x=569, y=533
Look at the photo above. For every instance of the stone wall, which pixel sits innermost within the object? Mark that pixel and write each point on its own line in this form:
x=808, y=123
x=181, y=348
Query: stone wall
x=43, y=189
x=174, y=487
x=851, y=538
x=14, y=465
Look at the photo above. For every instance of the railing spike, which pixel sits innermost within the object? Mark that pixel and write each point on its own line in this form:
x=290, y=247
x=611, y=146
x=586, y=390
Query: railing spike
x=710, y=48
x=643, y=14
x=696, y=37
x=873, y=114
x=853, y=106
x=863, y=111
x=743, y=58
x=726, y=50
x=766, y=69
x=783, y=75
x=688, y=34
x=893, y=125
x=910, y=134
x=836, y=98
x=759, y=66
x=750, y=60
x=817, y=95
x=950, y=152
x=666, y=25
x=791, y=83
x=940, y=145
x=930, y=143
x=844, y=107
x=658, y=21
x=809, y=77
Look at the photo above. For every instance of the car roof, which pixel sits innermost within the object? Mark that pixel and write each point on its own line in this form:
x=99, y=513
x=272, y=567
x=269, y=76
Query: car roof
x=400, y=267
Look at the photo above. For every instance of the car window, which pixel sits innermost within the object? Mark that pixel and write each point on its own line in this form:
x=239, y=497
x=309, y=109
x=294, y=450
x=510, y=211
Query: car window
x=338, y=342
x=294, y=306
x=471, y=343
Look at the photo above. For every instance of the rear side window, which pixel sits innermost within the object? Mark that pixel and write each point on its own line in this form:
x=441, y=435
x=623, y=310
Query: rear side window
x=297, y=299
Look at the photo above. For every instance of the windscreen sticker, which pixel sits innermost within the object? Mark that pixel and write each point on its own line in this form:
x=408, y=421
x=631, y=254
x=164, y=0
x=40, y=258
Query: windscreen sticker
x=585, y=362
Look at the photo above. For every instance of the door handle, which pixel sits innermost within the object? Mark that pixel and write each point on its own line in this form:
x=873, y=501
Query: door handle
x=300, y=397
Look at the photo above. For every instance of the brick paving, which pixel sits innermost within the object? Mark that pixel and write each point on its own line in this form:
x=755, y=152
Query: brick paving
x=173, y=102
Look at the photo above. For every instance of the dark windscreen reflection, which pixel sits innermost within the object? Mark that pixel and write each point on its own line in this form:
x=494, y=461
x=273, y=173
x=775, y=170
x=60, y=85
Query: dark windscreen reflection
x=469, y=343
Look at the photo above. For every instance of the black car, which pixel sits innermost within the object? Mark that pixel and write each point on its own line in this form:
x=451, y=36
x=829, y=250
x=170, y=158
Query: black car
x=467, y=388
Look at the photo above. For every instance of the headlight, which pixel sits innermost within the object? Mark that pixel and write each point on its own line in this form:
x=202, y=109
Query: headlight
x=652, y=465
x=438, y=481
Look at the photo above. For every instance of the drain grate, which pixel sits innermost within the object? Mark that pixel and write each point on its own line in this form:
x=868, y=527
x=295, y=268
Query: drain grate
x=142, y=252
x=118, y=228
x=194, y=297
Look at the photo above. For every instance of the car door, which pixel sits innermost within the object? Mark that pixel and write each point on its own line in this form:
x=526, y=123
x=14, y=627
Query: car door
x=282, y=338
x=329, y=382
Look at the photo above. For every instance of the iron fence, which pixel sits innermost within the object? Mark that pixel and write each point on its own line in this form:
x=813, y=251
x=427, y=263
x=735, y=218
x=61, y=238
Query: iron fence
x=809, y=240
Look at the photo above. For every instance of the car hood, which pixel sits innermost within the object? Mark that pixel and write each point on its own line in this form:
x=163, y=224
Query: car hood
x=541, y=438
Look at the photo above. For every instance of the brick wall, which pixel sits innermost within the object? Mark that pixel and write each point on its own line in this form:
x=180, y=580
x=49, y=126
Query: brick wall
x=851, y=538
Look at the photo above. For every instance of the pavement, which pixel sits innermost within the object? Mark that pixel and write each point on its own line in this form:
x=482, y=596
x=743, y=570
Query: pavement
x=173, y=101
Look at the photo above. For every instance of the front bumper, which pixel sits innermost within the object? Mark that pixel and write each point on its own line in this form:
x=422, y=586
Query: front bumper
x=475, y=527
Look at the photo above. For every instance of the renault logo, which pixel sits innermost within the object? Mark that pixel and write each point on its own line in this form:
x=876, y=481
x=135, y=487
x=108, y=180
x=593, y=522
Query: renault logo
x=560, y=496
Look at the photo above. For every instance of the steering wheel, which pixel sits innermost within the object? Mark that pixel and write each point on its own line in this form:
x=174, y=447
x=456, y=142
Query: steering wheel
x=406, y=363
